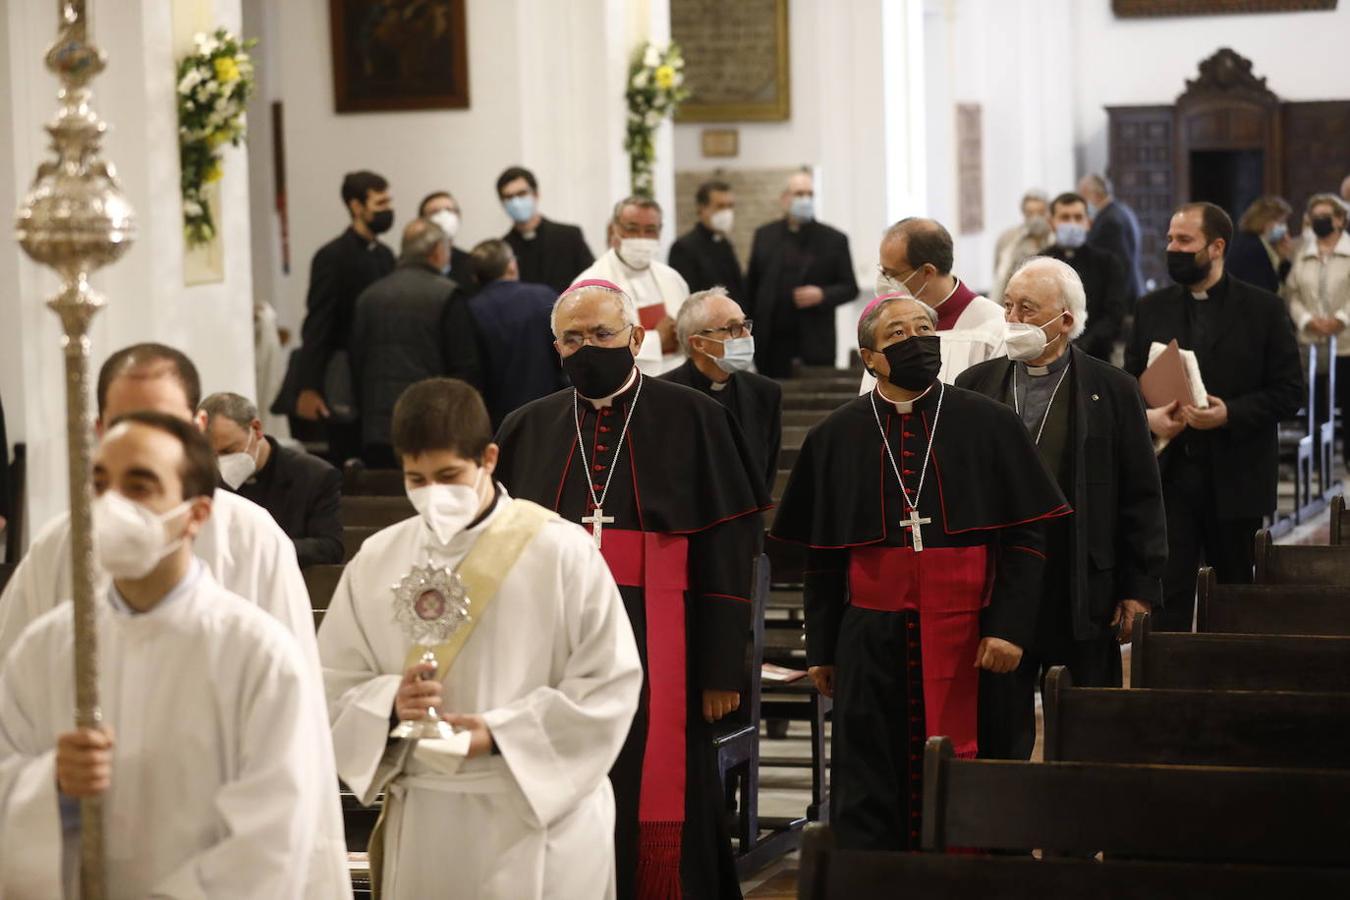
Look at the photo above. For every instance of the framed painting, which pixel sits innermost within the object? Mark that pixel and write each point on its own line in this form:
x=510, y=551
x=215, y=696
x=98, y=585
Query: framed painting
x=736, y=63
x=399, y=55
x=1144, y=8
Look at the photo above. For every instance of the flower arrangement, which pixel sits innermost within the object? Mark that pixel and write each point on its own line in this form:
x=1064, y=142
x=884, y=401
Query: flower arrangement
x=214, y=84
x=655, y=90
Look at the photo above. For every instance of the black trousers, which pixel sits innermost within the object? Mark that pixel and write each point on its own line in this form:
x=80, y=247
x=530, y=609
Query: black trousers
x=1197, y=537
x=1008, y=702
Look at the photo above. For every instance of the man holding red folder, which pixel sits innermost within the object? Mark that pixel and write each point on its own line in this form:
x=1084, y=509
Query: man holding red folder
x=1220, y=467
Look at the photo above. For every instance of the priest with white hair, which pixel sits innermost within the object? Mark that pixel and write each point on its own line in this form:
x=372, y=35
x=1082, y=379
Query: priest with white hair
x=1104, y=565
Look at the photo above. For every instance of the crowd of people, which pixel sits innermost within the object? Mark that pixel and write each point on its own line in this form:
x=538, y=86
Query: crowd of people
x=531, y=670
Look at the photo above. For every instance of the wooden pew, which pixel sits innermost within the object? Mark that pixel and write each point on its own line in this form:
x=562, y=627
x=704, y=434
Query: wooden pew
x=1340, y=521
x=1296, y=730
x=357, y=480
x=1271, y=609
x=827, y=873
x=1178, y=813
x=1300, y=564
x=1237, y=662
x=6, y=572
x=352, y=539
x=321, y=581
x=374, y=512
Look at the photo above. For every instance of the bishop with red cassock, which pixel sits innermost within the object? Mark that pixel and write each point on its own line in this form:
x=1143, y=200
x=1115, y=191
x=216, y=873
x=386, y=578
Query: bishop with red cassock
x=661, y=477
x=921, y=505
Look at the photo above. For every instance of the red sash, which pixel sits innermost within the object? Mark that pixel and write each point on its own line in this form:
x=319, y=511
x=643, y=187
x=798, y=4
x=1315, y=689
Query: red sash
x=947, y=587
x=657, y=563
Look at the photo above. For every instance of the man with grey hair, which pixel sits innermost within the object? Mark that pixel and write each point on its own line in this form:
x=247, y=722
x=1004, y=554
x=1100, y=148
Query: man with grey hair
x=1115, y=227
x=1023, y=240
x=658, y=475
x=656, y=289
x=301, y=492
x=411, y=325
x=716, y=336
x=923, y=508
x=1105, y=564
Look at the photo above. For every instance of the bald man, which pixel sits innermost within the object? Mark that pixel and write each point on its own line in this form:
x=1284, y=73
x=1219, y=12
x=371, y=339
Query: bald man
x=412, y=324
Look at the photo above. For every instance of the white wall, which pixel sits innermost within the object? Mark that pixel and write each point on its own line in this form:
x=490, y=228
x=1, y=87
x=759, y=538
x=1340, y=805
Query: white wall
x=546, y=83
x=146, y=297
x=1138, y=61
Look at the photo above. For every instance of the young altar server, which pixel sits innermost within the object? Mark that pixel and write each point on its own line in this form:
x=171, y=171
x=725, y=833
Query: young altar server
x=213, y=758
x=536, y=670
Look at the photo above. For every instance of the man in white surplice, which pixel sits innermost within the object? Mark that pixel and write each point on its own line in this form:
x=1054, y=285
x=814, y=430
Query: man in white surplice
x=542, y=693
x=241, y=545
x=213, y=758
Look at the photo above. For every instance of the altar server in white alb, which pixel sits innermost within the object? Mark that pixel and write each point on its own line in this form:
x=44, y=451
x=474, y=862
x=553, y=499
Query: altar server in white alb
x=213, y=756
x=536, y=669
x=241, y=545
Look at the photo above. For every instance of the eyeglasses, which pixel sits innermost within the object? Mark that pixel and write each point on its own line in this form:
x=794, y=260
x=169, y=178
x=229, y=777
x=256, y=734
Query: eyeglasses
x=599, y=336
x=734, y=330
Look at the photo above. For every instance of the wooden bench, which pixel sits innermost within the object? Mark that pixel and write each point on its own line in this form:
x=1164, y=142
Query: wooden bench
x=1340, y=521
x=357, y=480
x=321, y=581
x=352, y=539
x=827, y=873
x=1178, y=813
x=6, y=572
x=1296, y=730
x=1271, y=609
x=1237, y=662
x=1300, y=564
x=374, y=512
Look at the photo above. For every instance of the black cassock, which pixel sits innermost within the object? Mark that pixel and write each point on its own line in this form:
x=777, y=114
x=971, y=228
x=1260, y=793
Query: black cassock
x=902, y=627
x=686, y=498
x=755, y=403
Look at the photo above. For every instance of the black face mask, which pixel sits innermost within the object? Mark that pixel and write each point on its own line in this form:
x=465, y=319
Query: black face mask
x=1185, y=269
x=1322, y=226
x=381, y=221
x=598, y=372
x=914, y=362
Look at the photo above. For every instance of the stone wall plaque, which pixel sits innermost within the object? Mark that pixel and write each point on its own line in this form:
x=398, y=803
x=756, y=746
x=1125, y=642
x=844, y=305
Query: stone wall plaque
x=970, y=167
x=759, y=199
x=721, y=142
x=736, y=59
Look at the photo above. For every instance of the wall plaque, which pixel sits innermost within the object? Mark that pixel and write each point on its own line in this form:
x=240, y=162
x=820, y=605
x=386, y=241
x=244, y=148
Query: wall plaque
x=721, y=142
x=736, y=59
x=970, y=167
x=1125, y=9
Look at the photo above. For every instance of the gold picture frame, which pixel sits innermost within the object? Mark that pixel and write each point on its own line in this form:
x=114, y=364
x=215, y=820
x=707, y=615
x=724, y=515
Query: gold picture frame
x=699, y=24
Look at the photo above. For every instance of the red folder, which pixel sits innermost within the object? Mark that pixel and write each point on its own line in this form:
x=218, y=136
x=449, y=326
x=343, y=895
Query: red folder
x=651, y=316
x=1165, y=379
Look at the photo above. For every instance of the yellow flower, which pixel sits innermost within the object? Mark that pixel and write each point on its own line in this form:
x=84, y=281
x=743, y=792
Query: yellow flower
x=665, y=77
x=227, y=70
x=220, y=137
x=213, y=172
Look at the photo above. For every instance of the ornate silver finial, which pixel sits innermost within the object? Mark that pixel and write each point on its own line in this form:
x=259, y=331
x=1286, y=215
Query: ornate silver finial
x=76, y=220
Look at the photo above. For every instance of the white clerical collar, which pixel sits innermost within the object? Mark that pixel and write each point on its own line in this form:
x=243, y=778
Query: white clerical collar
x=605, y=402
x=904, y=407
x=720, y=385
x=956, y=285
x=1053, y=366
x=184, y=585
x=1200, y=295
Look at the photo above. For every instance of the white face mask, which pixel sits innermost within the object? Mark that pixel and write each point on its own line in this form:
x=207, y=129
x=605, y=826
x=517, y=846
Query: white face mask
x=448, y=220
x=638, y=253
x=236, y=468
x=130, y=540
x=886, y=284
x=738, y=354
x=723, y=220
x=1026, y=341
x=446, y=508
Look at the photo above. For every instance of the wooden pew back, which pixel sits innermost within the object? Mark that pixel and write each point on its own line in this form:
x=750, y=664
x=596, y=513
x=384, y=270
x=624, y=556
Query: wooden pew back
x=1300, y=564
x=1271, y=609
x=1189, y=813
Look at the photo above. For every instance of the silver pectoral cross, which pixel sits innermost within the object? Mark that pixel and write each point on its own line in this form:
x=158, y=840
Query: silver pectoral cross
x=597, y=520
x=915, y=532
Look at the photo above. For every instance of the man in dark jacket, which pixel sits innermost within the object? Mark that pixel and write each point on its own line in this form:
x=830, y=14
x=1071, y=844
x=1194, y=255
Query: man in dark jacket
x=1221, y=465
x=302, y=492
x=340, y=271
x=512, y=319
x=1115, y=228
x=800, y=270
x=1102, y=275
x=547, y=252
x=1104, y=564
x=704, y=256
x=411, y=325
x=716, y=337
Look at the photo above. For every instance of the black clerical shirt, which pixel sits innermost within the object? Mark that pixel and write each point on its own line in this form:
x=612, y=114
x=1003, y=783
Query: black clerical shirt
x=554, y=255
x=705, y=259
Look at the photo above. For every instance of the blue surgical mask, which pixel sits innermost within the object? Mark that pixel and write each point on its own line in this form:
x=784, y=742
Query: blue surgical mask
x=520, y=208
x=738, y=354
x=1070, y=235
x=1278, y=232
x=803, y=209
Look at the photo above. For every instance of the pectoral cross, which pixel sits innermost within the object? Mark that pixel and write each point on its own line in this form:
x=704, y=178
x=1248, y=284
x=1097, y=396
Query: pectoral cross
x=912, y=523
x=597, y=520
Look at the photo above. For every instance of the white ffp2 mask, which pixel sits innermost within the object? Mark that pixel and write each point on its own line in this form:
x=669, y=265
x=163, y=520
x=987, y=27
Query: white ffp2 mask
x=446, y=508
x=638, y=253
x=130, y=540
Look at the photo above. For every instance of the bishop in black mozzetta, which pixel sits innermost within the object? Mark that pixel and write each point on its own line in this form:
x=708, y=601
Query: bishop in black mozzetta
x=716, y=337
x=922, y=506
x=662, y=478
